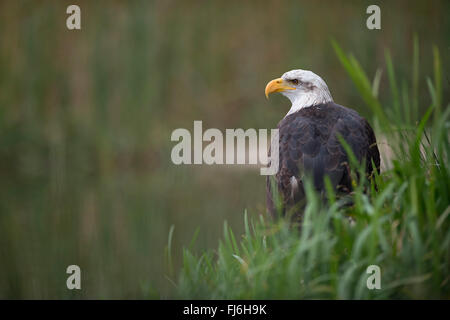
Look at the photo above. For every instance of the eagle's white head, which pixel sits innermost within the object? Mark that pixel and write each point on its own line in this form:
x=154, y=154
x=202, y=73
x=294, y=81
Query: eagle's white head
x=304, y=88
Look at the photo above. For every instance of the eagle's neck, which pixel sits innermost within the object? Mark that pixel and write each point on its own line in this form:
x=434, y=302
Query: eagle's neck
x=308, y=99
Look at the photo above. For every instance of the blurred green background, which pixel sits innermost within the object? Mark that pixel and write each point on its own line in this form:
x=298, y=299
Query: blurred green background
x=86, y=118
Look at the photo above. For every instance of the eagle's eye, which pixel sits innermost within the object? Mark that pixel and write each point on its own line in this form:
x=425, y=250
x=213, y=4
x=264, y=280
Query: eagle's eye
x=294, y=81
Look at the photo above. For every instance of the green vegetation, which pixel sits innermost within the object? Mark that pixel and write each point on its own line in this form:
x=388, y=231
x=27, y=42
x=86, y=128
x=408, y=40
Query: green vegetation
x=403, y=227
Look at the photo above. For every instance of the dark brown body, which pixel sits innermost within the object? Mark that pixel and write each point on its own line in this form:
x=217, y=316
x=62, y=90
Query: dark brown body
x=309, y=146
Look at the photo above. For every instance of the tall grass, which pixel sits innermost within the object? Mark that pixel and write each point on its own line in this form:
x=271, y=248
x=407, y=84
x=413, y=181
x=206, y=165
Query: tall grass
x=403, y=226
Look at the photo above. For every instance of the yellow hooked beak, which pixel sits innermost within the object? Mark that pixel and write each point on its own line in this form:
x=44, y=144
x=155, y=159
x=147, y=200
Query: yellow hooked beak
x=277, y=85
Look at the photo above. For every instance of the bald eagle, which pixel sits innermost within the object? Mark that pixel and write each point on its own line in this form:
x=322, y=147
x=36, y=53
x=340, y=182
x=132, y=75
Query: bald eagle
x=309, y=142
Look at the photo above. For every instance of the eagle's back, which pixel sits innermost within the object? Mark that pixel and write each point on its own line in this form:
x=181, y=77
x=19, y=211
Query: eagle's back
x=309, y=146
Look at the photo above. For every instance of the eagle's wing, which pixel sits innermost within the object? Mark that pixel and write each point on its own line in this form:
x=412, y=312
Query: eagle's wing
x=312, y=148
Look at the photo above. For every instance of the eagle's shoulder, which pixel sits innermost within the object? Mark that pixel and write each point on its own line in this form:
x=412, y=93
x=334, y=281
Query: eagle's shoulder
x=319, y=114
